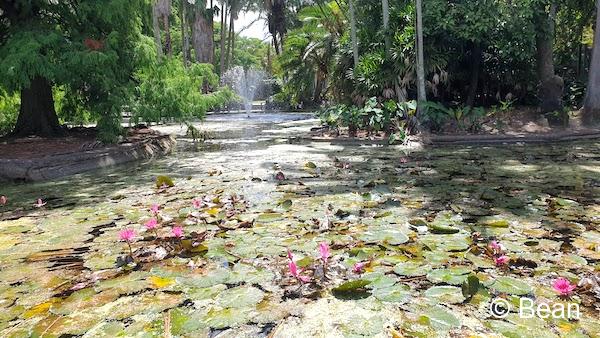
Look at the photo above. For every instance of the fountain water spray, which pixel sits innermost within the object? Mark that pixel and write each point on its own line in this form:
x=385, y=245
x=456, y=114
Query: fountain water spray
x=245, y=82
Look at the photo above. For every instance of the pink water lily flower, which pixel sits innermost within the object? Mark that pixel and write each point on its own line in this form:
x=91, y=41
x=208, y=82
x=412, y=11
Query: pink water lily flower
x=563, y=287
x=151, y=224
x=294, y=271
x=359, y=267
x=3, y=200
x=290, y=255
x=177, y=232
x=197, y=203
x=496, y=247
x=280, y=176
x=155, y=209
x=127, y=235
x=502, y=260
x=324, y=251
x=40, y=203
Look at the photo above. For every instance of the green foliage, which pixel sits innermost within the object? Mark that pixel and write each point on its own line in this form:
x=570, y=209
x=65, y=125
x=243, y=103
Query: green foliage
x=436, y=115
x=164, y=181
x=9, y=110
x=167, y=90
x=87, y=46
x=309, y=52
x=502, y=35
x=389, y=116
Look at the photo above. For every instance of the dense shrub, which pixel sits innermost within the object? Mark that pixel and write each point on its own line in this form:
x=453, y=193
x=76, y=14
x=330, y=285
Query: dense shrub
x=9, y=110
x=390, y=117
x=167, y=90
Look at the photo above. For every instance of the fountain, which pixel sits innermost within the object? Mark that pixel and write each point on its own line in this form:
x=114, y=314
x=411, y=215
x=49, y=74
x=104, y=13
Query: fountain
x=245, y=82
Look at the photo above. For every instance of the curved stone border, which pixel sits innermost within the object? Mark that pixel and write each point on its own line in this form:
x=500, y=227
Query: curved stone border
x=481, y=139
x=55, y=166
x=508, y=139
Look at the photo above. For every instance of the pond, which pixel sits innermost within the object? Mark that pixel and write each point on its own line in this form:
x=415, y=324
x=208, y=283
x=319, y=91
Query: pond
x=384, y=239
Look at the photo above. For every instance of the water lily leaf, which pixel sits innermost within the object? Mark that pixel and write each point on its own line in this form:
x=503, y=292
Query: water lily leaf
x=185, y=321
x=454, y=242
x=440, y=228
x=440, y=318
x=161, y=282
x=286, y=205
x=269, y=217
x=164, y=181
x=240, y=297
x=470, y=286
x=39, y=309
x=445, y=294
x=390, y=236
x=494, y=222
x=352, y=285
x=310, y=165
x=453, y=276
x=412, y=269
x=230, y=317
x=398, y=293
x=511, y=286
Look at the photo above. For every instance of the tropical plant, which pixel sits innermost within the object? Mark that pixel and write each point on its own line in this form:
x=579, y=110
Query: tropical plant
x=168, y=91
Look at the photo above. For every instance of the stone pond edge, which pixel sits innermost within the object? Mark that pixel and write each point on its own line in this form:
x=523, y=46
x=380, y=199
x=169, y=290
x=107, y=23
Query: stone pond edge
x=61, y=165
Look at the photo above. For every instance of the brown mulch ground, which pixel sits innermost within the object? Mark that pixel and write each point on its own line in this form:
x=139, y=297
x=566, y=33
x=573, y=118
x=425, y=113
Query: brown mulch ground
x=77, y=139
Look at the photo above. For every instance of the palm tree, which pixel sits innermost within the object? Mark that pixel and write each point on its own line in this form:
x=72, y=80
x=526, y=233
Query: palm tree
x=353, y=32
x=309, y=50
x=422, y=97
x=386, y=24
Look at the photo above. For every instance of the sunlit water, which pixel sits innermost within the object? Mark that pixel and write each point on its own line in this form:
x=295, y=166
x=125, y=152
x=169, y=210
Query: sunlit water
x=421, y=217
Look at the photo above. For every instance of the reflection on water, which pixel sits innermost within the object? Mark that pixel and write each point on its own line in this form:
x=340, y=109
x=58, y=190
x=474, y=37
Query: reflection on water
x=232, y=139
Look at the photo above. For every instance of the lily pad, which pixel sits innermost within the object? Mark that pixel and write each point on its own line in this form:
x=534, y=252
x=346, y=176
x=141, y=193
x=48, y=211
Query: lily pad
x=452, y=276
x=511, y=286
x=445, y=294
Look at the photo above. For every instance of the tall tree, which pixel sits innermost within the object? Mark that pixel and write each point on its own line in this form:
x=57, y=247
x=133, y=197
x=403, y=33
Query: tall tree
x=422, y=96
x=276, y=21
x=224, y=10
x=156, y=28
x=353, y=32
x=184, y=32
x=202, y=32
x=163, y=11
x=86, y=46
x=551, y=86
x=386, y=24
x=591, y=106
x=233, y=4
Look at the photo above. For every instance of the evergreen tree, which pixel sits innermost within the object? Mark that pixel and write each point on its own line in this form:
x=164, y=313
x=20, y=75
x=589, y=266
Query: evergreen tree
x=86, y=46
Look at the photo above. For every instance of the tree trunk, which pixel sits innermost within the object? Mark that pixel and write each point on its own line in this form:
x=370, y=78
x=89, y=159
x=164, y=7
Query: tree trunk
x=422, y=96
x=550, y=89
x=167, y=29
x=386, y=25
x=353, y=32
x=591, y=106
x=223, y=30
x=184, y=32
x=156, y=29
x=476, y=59
x=230, y=40
x=212, y=29
x=202, y=38
x=37, y=115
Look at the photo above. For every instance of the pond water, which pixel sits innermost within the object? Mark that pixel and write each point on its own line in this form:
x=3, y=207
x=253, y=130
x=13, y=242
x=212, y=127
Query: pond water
x=419, y=222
